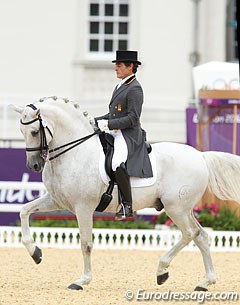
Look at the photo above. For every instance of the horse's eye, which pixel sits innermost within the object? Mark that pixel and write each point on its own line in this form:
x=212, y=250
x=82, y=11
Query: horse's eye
x=34, y=132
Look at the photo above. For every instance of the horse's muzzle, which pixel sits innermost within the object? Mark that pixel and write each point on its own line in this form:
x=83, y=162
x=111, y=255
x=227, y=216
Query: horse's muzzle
x=35, y=162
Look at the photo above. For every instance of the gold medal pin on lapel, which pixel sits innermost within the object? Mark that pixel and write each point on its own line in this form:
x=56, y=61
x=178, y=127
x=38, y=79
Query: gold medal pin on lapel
x=119, y=108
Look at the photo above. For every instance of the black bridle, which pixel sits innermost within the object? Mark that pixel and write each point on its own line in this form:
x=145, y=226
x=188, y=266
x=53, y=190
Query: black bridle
x=43, y=148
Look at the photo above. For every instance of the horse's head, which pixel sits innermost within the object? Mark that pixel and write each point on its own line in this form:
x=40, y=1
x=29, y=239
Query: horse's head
x=37, y=135
x=52, y=116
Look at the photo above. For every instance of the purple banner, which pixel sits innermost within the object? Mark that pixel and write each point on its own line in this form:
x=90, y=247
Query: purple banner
x=219, y=134
x=13, y=168
x=217, y=102
x=191, y=121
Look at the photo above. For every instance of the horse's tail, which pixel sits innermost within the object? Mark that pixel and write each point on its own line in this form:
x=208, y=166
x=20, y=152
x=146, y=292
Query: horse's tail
x=224, y=174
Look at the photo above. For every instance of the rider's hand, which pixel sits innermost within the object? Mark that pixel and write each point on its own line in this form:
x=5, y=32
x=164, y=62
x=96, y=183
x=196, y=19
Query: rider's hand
x=103, y=125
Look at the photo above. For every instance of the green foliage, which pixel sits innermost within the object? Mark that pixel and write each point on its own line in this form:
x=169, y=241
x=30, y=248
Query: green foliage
x=210, y=216
x=227, y=221
x=162, y=218
x=206, y=219
x=138, y=224
x=64, y=223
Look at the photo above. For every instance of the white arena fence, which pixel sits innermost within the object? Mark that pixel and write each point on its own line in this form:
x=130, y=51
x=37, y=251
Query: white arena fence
x=105, y=238
x=109, y=239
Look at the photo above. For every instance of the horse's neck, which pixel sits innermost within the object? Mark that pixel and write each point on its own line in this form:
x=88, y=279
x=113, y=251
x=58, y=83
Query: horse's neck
x=68, y=125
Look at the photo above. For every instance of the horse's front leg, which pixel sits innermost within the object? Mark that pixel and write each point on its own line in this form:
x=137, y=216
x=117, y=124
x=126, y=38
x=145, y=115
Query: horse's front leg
x=85, y=222
x=42, y=204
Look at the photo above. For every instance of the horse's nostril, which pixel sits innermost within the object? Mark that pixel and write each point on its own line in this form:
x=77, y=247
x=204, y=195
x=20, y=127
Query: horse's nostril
x=36, y=167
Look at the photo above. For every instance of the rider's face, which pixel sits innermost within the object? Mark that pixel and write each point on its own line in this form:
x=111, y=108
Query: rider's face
x=122, y=71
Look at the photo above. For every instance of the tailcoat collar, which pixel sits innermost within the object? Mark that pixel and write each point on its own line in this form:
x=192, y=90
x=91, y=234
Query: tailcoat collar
x=123, y=87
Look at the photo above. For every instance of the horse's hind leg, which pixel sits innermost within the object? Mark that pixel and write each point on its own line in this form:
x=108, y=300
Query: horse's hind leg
x=42, y=204
x=189, y=231
x=201, y=240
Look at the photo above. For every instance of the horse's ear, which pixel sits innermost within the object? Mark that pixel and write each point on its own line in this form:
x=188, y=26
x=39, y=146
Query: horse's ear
x=16, y=108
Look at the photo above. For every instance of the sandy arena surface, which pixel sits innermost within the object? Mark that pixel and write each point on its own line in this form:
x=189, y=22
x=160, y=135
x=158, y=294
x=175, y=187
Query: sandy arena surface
x=114, y=272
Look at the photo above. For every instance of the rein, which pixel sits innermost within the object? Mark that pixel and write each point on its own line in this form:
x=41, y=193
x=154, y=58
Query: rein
x=76, y=143
x=43, y=148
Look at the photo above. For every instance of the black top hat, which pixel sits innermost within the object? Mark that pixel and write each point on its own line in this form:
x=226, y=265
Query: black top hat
x=127, y=56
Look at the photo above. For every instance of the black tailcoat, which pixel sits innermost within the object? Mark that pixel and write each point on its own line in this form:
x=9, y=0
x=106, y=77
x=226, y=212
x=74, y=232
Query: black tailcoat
x=124, y=113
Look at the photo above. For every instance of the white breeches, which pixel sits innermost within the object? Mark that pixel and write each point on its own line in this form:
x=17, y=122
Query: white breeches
x=120, y=148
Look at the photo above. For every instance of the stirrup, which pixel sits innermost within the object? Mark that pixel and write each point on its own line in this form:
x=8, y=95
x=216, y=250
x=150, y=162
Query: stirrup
x=124, y=212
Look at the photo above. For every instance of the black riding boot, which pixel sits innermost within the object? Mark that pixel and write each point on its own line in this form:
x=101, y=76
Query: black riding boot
x=123, y=182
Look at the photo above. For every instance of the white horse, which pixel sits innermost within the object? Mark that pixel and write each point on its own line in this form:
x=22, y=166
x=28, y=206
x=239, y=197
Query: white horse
x=73, y=181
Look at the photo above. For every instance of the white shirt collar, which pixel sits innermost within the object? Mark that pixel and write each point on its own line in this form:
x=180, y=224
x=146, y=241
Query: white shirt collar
x=124, y=80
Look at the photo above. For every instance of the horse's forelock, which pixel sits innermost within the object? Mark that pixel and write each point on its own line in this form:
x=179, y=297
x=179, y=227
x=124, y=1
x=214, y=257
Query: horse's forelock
x=28, y=112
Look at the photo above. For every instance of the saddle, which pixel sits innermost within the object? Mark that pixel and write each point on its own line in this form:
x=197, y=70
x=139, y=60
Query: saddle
x=107, y=142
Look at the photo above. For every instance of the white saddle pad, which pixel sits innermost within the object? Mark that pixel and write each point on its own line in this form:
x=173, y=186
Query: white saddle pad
x=135, y=181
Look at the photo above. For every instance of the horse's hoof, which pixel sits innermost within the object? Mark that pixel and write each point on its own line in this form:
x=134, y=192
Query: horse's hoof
x=198, y=288
x=37, y=255
x=162, y=278
x=75, y=287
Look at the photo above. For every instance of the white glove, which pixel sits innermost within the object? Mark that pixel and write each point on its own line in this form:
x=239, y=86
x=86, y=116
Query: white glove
x=103, y=125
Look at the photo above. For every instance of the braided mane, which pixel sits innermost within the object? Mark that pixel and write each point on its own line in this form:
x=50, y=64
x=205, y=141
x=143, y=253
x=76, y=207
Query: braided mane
x=65, y=100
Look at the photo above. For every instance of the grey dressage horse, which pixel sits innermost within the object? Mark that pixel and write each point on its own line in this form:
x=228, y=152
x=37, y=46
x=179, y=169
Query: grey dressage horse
x=73, y=181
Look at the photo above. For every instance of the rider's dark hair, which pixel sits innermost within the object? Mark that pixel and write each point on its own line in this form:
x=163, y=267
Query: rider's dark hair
x=135, y=66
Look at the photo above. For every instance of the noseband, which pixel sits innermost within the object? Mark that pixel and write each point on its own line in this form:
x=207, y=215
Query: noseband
x=43, y=148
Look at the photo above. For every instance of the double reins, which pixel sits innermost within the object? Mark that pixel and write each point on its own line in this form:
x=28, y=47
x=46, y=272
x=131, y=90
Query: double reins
x=43, y=148
x=73, y=143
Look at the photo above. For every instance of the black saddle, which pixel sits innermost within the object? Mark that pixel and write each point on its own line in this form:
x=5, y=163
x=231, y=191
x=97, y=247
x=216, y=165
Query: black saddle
x=107, y=142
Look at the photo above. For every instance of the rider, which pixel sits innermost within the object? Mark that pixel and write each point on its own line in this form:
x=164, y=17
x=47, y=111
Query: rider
x=123, y=123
